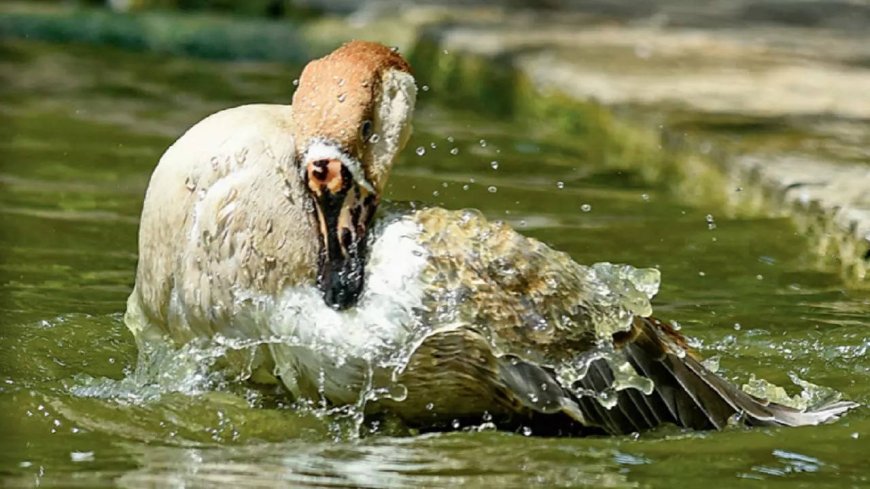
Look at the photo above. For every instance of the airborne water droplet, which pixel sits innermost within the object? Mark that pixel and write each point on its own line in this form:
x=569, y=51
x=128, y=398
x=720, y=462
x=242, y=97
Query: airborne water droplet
x=711, y=224
x=482, y=143
x=455, y=424
x=425, y=88
x=527, y=431
x=560, y=185
x=296, y=82
x=420, y=151
x=585, y=207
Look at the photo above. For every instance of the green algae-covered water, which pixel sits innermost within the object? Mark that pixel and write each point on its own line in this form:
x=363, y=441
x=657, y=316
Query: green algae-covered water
x=82, y=128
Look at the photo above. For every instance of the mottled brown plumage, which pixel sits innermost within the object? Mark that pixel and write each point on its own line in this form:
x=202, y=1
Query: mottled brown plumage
x=518, y=312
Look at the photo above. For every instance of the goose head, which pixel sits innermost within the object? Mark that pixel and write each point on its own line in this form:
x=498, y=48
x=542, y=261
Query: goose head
x=352, y=116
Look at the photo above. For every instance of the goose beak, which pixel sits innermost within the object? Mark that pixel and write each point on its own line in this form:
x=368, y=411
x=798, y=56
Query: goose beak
x=345, y=203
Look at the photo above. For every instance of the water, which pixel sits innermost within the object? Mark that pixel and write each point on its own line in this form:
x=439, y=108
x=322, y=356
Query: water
x=82, y=128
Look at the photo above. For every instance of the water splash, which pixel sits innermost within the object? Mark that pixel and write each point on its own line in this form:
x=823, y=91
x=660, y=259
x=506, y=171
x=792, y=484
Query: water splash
x=810, y=397
x=160, y=369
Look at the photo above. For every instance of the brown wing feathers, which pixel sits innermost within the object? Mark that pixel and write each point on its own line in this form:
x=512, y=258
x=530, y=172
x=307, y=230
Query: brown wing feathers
x=686, y=393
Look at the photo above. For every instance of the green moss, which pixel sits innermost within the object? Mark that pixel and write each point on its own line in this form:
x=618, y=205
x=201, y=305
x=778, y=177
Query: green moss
x=197, y=35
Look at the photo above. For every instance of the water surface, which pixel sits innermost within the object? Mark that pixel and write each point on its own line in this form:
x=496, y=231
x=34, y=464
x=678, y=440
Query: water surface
x=82, y=128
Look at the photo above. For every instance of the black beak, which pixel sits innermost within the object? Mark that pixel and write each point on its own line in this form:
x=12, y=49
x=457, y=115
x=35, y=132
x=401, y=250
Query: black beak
x=344, y=212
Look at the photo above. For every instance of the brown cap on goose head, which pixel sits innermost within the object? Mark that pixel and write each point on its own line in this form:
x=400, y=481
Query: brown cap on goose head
x=352, y=116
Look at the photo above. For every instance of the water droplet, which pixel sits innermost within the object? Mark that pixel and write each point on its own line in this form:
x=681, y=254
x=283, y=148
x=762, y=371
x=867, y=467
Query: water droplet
x=454, y=151
x=444, y=51
x=560, y=185
x=494, y=165
x=527, y=430
x=190, y=184
x=341, y=82
x=486, y=416
x=420, y=151
x=374, y=138
x=425, y=88
x=482, y=143
x=644, y=197
x=296, y=82
x=737, y=326
x=465, y=187
x=759, y=277
x=394, y=49
x=585, y=207
x=342, y=97
x=433, y=145
x=702, y=274
x=533, y=397
x=492, y=189
x=711, y=224
x=435, y=193
x=450, y=139
x=430, y=406
x=455, y=424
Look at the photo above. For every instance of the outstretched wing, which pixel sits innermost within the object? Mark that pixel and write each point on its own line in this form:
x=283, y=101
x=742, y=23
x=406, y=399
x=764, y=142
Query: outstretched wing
x=524, y=342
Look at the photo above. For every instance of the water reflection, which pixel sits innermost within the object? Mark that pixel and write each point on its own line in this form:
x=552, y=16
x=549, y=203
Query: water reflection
x=426, y=461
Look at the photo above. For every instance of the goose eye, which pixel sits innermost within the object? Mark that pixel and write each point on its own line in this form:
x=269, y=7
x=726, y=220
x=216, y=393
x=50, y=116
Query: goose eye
x=366, y=129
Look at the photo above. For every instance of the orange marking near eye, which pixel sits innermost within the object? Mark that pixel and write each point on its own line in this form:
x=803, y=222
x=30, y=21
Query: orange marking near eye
x=324, y=174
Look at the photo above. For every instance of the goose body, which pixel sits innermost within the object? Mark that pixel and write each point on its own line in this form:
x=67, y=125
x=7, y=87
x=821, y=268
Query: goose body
x=258, y=231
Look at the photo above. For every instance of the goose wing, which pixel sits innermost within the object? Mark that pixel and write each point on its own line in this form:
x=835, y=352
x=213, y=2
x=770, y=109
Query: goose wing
x=526, y=344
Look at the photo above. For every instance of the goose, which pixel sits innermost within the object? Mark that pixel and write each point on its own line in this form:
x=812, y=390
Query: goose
x=259, y=231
